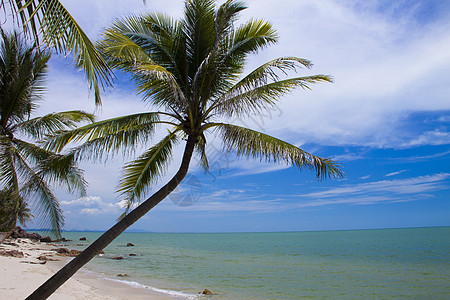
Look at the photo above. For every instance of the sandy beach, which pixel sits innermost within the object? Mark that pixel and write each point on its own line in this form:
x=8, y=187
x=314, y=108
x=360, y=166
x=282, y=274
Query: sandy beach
x=20, y=276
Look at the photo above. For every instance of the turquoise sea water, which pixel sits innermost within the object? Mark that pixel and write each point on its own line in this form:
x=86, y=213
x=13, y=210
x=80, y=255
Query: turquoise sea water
x=411, y=263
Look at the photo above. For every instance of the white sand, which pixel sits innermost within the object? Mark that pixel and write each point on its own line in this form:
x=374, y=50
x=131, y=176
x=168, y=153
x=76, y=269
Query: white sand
x=19, y=277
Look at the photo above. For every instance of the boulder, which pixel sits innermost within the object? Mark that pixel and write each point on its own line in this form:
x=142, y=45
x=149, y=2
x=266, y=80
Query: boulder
x=82, y=238
x=207, y=292
x=122, y=275
x=132, y=254
x=20, y=233
x=117, y=257
x=45, y=239
x=130, y=245
x=67, y=252
x=62, y=250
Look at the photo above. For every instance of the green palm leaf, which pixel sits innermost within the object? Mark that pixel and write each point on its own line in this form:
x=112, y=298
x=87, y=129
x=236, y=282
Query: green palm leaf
x=55, y=168
x=40, y=126
x=263, y=96
x=139, y=174
x=108, y=136
x=34, y=186
x=250, y=143
x=50, y=22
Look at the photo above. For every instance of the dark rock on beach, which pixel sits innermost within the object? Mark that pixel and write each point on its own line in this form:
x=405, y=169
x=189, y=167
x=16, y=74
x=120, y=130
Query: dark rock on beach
x=82, y=238
x=132, y=254
x=46, y=258
x=130, y=245
x=20, y=233
x=45, y=239
x=117, y=257
x=67, y=252
x=11, y=253
x=122, y=275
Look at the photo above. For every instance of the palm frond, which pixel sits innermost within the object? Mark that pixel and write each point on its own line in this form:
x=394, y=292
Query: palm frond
x=33, y=185
x=107, y=136
x=60, y=31
x=251, y=37
x=201, y=150
x=8, y=175
x=54, y=168
x=264, y=96
x=41, y=126
x=254, y=144
x=139, y=174
x=22, y=71
x=51, y=214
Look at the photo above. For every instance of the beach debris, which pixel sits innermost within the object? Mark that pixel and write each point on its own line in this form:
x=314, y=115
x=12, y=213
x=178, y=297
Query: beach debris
x=11, y=244
x=122, y=275
x=82, y=238
x=45, y=239
x=67, y=252
x=34, y=262
x=132, y=254
x=206, y=292
x=101, y=252
x=46, y=258
x=11, y=253
x=130, y=245
x=117, y=257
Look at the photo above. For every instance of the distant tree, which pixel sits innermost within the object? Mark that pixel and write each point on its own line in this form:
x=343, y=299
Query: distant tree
x=191, y=69
x=13, y=211
x=27, y=171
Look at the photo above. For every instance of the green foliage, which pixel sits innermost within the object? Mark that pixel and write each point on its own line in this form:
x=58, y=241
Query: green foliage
x=191, y=70
x=50, y=23
x=28, y=171
x=12, y=209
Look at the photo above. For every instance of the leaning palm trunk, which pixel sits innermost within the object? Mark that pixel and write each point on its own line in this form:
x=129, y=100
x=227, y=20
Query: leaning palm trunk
x=51, y=285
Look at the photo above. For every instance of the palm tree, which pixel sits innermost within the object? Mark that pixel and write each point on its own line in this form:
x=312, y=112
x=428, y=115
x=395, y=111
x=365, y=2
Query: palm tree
x=13, y=211
x=26, y=169
x=49, y=22
x=190, y=69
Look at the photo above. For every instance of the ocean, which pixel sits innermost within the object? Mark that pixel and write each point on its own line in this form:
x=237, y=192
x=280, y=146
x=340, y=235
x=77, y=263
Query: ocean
x=410, y=263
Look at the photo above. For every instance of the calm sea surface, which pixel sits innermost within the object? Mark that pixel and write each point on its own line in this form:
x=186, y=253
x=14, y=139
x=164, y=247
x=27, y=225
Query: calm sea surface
x=411, y=263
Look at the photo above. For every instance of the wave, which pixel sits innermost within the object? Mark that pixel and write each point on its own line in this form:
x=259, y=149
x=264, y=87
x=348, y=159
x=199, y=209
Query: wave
x=135, y=284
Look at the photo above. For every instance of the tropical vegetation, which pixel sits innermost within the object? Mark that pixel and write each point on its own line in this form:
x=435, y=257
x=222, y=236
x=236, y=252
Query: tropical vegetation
x=51, y=24
x=27, y=171
x=191, y=72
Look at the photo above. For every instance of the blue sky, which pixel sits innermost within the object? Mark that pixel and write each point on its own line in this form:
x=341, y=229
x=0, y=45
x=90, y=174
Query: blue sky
x=386, y=119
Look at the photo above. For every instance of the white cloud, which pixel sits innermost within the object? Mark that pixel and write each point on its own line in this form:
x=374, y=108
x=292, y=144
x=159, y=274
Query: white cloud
x=395, y=173
x=92, y=205
x=434, y=137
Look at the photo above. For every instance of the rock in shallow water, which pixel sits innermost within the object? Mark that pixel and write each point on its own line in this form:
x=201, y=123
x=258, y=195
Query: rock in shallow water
x=207, y=292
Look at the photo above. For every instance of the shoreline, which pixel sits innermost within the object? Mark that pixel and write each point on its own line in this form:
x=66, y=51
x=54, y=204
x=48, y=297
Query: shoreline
x=20, y=276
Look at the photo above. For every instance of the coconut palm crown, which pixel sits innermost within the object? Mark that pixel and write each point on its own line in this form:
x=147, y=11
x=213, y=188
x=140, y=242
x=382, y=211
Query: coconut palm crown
x=27, y=171
x=191, y=71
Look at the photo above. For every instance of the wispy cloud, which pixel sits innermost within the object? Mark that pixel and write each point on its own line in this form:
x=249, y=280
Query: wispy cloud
x=371, y=193
x=395, y=173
